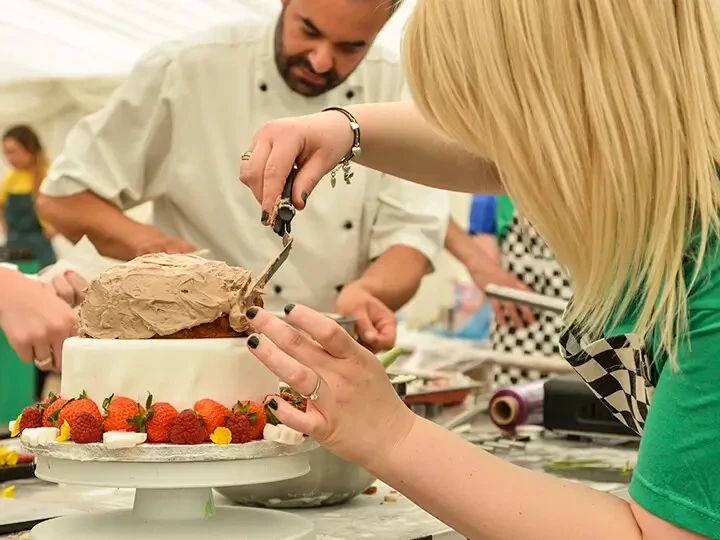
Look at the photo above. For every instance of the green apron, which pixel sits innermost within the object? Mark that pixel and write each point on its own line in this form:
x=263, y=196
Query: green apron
x=24, y=231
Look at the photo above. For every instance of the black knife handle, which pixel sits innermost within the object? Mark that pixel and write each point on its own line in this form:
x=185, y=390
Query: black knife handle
x=287, y=190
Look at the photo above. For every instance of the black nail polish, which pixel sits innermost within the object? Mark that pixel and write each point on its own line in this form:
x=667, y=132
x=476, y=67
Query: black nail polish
x=273, y=404
x=265, y=217
x=253, y=342
x=288, y=308
x=251, y=312
x=304, y=196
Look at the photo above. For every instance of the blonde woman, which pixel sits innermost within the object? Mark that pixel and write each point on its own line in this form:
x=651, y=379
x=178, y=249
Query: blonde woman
x=601, y=119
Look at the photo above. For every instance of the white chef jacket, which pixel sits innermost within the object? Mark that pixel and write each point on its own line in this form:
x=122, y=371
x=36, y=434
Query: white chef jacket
x=174, y=134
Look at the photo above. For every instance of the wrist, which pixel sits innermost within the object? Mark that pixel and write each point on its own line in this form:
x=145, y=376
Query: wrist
x=394, y=442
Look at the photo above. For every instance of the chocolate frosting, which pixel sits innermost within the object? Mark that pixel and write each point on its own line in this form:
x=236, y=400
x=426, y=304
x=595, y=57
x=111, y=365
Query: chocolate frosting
x=160, y=294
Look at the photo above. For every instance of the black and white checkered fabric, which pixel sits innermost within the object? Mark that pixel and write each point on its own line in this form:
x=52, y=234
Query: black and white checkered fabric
x=525, y=254
x=617, y=371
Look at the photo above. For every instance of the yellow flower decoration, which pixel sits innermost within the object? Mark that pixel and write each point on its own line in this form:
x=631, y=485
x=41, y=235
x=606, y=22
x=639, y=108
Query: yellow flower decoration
x=221, y=435
x=64, y=432
x=3, y=455
x=8, y=492
x=16, y=427
x=11, y=459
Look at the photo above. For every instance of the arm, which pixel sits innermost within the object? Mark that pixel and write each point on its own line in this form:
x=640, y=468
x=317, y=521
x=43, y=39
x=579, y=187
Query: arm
x=112, y=161
x=395, y=276
x=674, y=488
x=86, y=214
x=464, y=248
x=405, y=239
x=495, y=500
x=397, y=141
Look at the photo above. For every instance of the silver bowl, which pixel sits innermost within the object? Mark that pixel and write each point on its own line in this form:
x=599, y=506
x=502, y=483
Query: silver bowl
x=331, y=480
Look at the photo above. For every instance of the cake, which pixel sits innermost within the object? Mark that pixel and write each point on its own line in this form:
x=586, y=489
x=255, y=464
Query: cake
x=161, y=358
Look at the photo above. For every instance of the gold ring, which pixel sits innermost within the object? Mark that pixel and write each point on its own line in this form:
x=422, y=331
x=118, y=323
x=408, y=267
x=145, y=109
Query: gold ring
x=246, y=156
x=314, y=394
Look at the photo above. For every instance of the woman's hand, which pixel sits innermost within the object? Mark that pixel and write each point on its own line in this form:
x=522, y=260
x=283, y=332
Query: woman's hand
x=357, y=413
x=317, y=143
x=35, y=321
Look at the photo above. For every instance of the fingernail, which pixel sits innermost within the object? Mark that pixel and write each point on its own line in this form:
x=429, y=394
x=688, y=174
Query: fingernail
x=253, y=342
x=265, y=216
x=67, y=273
x=251, y=312
x=273, y=404
x=304, y=196
x=288, y=308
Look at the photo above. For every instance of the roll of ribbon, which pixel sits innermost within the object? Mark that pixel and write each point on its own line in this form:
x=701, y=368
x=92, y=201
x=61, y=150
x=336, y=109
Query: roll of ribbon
x=517, y=405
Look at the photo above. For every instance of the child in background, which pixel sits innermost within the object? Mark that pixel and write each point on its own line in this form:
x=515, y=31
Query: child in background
x=29, y=164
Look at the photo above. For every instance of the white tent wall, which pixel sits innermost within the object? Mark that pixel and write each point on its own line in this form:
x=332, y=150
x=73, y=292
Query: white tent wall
x=61, y=60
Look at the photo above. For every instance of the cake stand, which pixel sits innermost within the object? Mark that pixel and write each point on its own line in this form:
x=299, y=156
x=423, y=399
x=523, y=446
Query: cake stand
x=173, y=497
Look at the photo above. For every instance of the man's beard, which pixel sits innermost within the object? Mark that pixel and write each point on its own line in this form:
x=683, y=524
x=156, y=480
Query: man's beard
x=285, y=64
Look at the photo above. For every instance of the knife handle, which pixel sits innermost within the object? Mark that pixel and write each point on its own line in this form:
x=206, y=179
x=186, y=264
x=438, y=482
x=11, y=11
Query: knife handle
x=287, y=190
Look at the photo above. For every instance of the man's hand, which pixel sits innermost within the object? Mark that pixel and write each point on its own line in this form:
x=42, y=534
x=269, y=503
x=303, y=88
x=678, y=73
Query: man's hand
x=153, y=241
x=375, y=322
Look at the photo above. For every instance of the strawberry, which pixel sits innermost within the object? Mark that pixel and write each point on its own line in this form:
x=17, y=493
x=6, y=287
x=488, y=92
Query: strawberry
x=85, y=428
x=212, y=413
x=294, y=399
x=123, y=414
x=188, y=428
x=75, y=407
x=160, y=418
x=255, y=413
x=239, y=426
x=31, y=417
x=50, y=406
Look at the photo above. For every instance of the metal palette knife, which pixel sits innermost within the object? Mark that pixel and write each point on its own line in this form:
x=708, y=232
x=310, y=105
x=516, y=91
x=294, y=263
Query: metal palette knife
x=266, y=275
x=285, y=212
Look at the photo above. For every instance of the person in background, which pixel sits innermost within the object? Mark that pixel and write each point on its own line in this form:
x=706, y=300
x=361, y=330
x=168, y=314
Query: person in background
x=601, y=119
x=512, y=254
x=173, y=134
x=26, y=234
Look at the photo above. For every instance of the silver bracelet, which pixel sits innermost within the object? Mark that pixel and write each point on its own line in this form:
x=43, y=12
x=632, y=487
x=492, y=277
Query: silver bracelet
x=355, y=149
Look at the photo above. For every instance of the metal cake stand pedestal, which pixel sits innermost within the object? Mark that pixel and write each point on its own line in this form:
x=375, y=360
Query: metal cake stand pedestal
x=173, y=497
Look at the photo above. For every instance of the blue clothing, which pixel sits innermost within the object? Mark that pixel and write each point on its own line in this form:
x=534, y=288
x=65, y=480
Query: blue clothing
x=482, y=215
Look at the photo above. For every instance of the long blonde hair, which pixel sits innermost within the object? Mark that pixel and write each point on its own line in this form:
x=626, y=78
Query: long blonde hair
x=603, y=117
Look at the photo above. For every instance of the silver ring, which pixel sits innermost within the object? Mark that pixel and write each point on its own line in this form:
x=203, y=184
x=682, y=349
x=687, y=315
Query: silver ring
x=314, y=394
x=246, y=156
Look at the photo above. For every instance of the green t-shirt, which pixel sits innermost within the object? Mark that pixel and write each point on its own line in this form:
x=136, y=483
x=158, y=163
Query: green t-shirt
x=504, y=213
x=677, y=476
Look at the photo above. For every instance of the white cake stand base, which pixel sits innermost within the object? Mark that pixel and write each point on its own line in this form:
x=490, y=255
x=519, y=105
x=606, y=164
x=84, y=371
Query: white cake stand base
x=174, y=499
x=185, y=514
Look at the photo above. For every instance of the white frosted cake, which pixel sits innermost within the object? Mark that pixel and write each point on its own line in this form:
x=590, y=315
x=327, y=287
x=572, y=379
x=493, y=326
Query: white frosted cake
x=178, y=371
x=161, y=358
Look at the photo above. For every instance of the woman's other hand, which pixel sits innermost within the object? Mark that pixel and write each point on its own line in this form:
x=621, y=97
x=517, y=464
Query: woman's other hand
x=317, y=143
x=357, y=413
x=35, y=321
